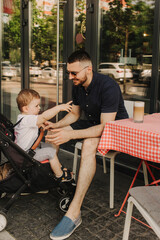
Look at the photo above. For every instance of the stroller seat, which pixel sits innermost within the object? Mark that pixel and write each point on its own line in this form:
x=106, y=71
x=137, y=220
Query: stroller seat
x=22, y=173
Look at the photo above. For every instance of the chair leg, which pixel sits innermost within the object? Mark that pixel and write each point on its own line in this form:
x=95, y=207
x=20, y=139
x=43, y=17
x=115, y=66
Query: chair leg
x=145, y=173
x=128, y=220
x=112, y=156
x=112, y=182
x=104, y=165
x=75, y=163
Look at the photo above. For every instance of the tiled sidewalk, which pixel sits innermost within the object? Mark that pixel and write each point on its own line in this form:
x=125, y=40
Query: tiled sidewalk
x=4, y=235
x=34, y=216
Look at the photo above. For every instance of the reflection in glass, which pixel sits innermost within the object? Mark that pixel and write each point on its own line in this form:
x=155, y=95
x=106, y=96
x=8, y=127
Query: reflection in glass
x=11, y=42
x=80, y=24
x=126, y=37
x=43, y=74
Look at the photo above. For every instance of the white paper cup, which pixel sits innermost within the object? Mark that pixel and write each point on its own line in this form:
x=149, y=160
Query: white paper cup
x=138, y=112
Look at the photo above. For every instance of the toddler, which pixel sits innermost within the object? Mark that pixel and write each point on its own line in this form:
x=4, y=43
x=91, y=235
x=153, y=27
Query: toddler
x=26, y=131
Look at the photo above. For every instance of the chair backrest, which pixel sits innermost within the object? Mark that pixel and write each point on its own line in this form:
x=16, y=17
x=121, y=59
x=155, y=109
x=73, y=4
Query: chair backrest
x=129, y=107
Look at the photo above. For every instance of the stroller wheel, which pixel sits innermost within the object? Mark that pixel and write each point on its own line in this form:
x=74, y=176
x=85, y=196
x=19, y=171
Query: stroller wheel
x=66, y=187
x=61, y=191
x=3, y=221
x=64, y=203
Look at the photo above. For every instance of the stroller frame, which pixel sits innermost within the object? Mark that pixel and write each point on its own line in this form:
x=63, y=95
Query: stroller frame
x=28, y=174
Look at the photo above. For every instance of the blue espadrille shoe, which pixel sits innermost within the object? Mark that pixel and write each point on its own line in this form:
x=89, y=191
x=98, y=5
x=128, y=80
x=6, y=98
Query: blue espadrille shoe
x=65, y=228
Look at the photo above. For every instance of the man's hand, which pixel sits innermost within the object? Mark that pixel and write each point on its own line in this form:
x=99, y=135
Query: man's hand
x=59, y=136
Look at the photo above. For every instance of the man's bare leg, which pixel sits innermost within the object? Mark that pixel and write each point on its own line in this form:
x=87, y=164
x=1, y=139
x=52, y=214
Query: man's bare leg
x=86, y=174
x=55, y=164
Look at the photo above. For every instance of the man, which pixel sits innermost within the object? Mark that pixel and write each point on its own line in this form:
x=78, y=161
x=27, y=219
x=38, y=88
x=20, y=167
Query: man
x=101, y=100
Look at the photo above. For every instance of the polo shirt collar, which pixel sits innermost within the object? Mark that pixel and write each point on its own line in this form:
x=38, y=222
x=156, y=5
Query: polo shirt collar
x=89, y=88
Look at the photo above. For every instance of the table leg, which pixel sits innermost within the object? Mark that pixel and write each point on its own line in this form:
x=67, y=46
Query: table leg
x=135, y=176
x=145, y=174
x=149, y=170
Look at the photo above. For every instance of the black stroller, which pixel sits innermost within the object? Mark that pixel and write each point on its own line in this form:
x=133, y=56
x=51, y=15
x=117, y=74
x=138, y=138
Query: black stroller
x=20, y=173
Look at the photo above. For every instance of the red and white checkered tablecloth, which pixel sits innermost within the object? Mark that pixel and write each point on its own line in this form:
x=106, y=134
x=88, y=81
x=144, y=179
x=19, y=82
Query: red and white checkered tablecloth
x=141, y=140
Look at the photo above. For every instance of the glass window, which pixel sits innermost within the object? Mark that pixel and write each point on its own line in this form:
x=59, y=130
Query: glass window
x=11, y=71
x=110, y=66
x=80, y=24
x=43, y=54
x=122, y=66
x=126, y=37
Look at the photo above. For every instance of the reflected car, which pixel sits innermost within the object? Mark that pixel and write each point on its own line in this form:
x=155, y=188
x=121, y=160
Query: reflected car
x=146, y=73
x=8, y=71
x=35, y=71
x=145, y=76
x=18, y=68
x=115, y=70
x=49, y=72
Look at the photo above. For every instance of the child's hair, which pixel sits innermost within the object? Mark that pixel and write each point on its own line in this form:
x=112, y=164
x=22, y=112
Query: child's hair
x=25, y=96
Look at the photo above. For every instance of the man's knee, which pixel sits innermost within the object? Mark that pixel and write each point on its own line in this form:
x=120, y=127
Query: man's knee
x=90, y=145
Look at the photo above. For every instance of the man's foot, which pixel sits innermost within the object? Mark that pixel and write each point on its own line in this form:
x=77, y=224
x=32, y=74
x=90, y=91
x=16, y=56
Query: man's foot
x=65, y=228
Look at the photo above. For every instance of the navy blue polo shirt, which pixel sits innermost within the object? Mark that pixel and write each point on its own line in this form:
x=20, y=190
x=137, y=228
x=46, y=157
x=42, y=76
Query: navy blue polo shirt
x=103, y=95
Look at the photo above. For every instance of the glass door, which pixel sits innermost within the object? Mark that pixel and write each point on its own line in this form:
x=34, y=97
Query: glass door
x=43, y=51
x=126, y=40
x=10, y=58
x=80, y=24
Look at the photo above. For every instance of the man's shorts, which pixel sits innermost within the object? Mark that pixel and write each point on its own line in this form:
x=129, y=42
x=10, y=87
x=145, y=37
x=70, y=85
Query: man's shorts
x=83, y=124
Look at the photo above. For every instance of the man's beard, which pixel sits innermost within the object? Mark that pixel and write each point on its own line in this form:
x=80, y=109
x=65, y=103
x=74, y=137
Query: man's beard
x=80, y=82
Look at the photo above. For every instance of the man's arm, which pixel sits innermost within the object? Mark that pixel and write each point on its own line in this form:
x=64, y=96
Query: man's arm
x=71, y=117
x=61, y=136
x=95, y=131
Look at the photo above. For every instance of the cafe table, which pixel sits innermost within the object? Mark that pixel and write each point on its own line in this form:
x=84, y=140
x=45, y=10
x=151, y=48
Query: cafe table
x=141, y=140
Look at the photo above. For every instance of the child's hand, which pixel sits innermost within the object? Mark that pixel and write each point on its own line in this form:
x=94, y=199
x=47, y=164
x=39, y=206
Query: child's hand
x=66, y=107
x=48, y=125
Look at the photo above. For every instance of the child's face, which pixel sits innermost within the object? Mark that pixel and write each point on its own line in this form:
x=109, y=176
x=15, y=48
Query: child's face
x=33, y=107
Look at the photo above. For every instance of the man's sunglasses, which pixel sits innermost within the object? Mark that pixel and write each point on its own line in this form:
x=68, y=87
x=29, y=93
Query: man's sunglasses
x=75, y=73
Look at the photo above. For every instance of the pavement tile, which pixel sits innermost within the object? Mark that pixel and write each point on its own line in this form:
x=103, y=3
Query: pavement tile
x=23, y=234
x=94, y=227
x=90, y=217
x=40, y=230
x=94, y=238
x=83, y=232
x=102, y=220
x=75, y=236
x=105, y=234
x=116, y=238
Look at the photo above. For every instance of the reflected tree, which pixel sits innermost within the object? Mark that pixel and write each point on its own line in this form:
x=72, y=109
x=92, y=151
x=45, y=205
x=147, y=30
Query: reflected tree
x=43, y=37
x=124, y=26
x=12, y=35
x=80, y=23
